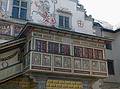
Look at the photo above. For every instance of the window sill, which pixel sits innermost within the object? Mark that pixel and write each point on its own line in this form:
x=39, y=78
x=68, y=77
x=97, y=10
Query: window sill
x=64, y=28
x=18, y=19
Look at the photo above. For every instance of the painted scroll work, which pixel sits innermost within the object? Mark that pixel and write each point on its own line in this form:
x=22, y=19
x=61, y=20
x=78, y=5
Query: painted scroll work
x=44, y=12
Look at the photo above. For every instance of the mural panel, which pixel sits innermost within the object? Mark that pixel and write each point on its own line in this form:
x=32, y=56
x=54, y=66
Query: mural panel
x=86, y=64
x=36, y=59
x=46, y=60
x=67, y=62
x=103, y=66
x=58, y=61
x=77, y=63
x=95, y=65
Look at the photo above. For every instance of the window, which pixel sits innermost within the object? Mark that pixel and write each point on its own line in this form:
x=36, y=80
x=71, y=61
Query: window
x=86, y=84
x=86, y=53
x=41, y=46
x=64, y=22
x=19, y=10
x=98, y=54
x=78, y=51
x=90, y=53
x=64, y=49
x=110, y=67
x=53, y=47
x=109, y=45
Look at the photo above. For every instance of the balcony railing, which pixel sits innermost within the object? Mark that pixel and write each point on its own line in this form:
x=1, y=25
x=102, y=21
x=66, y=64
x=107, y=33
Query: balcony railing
x=45, y=62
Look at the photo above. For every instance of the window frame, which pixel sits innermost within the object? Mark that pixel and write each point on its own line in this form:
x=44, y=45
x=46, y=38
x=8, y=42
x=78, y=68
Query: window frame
x=111, y=71
x=19, y=7
x=65, y=15
x=65, y=47
x=53, y=45
x=98, y=54
x=109, y=45
x=41, y=49
x=78, y=51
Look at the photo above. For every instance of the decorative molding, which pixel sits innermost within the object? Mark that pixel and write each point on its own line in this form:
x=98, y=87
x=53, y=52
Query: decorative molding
x=3, y=13
x=64, y=10
x=80, y=23
x=8, y=57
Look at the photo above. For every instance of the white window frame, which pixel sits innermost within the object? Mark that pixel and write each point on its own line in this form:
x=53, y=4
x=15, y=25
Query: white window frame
x=10, y=9
x=65, y=15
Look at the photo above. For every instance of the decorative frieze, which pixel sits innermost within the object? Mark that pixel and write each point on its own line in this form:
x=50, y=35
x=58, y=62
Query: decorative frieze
x=66, y=64
x=7, y=28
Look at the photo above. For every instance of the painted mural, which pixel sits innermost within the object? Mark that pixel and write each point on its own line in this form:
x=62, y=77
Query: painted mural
x=44, y=12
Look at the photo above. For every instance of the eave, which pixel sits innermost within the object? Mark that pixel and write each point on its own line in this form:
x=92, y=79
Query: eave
x=31, y=25
x=11, y=44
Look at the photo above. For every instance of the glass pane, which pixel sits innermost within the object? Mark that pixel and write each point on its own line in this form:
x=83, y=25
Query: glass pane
x=90, y=50
x=41, y=46
x=53, y=47
x=66, y=22
x=61, y=21
x=86, y=52
x=23, y=13
x=16, y=2
x=65, y=49
x=100, y=54
x=24, y=4
x=78, y=51
x=15, y=12
x=95, y=53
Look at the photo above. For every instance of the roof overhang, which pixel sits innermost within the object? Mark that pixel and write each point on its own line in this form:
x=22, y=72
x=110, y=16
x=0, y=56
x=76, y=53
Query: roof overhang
x=29, y=26
x=11, y=44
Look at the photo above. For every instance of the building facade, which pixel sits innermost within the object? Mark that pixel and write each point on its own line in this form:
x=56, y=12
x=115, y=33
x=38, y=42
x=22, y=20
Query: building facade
x=49, y=44
x=112, y=56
